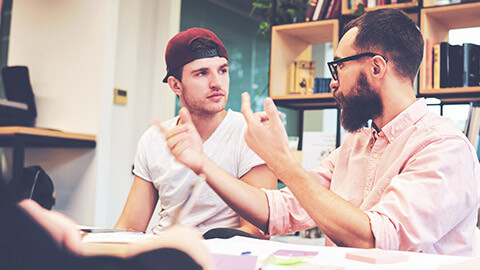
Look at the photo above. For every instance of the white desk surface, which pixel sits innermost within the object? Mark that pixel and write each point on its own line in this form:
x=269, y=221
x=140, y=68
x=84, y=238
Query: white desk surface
x=328, y=257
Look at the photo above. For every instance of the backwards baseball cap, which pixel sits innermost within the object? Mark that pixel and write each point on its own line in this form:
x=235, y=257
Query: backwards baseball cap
x=179, y=52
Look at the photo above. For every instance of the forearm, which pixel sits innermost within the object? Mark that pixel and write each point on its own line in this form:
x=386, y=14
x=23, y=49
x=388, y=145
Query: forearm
x=139, y=207
x=343, y=223
x=248, y=201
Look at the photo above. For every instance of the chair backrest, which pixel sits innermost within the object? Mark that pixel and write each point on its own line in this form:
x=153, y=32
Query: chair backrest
x=16, y=81
x=34, y=184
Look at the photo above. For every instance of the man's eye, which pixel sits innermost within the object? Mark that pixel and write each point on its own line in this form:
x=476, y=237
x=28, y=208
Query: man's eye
x=201, y=73
x=223, y=70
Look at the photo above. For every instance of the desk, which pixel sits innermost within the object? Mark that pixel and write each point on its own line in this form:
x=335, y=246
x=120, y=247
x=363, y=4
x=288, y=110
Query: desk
x=116, y=244
x=328, y=257
x=21, y=137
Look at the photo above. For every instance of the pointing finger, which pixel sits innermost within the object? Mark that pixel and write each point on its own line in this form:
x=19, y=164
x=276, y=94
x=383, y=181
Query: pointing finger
x=247, y=108
x=185, y=117
x=271, y=111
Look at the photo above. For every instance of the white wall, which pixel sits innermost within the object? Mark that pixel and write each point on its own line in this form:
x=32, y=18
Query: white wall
x=77, y=52
x=143, y=32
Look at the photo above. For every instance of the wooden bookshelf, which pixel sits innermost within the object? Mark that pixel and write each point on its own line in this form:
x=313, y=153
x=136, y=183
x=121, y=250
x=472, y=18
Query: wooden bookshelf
x=347, y=11
x=293, y=42
x=436, y=23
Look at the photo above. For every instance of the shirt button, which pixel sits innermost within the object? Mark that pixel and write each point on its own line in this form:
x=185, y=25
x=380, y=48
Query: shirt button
x=375, y=155
x=366, y=193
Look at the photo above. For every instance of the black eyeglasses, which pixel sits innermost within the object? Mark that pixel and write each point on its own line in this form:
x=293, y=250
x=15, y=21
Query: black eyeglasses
x=334, y=64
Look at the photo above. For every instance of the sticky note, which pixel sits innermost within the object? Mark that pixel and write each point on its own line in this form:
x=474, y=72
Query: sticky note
x=234, y=262
x=295, y=253
x=376, y=256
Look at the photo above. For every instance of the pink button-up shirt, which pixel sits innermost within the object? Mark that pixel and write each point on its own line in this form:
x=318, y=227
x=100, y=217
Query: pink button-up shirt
x=418, y=180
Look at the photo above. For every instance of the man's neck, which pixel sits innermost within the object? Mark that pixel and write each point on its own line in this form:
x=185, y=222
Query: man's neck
x=206, y=124
x=395, y=100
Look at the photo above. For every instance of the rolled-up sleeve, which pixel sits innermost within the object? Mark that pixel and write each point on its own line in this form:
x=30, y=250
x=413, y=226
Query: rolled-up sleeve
x=286, y=213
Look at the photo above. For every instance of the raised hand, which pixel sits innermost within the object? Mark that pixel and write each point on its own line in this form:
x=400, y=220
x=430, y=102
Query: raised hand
x=184, y=142
x=266, y=138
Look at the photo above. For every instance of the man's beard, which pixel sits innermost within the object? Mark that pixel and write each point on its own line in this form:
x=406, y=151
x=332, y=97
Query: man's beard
x=198, y=106
x=360, y=106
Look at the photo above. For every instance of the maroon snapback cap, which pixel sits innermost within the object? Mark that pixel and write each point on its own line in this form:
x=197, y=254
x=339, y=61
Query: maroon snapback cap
x=179, y=52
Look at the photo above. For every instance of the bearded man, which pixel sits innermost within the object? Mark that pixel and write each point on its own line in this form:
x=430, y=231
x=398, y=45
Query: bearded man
x=409, y=182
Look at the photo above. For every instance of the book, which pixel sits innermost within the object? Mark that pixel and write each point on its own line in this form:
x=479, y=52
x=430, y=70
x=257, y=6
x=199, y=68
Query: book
x=443, y=58
x=451, y=65
x=471, y=64
x=333, y=10
x=429, y=43
x=316, y=13
x=436, y=66
x=455, y=65
x=310, y=9
x=323, y=11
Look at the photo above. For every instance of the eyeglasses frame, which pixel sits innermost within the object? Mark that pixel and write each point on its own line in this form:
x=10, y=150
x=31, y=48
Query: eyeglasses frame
x=334, y=64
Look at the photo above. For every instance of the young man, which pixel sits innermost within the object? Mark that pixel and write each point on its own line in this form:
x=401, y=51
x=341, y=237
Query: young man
x=197, y=72
x=410, y=182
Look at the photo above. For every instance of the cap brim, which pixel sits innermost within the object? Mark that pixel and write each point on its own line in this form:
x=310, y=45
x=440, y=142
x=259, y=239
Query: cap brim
x=165, y=80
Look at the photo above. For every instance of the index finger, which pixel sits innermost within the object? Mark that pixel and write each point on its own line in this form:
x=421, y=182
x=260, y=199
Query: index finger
x=247, y=108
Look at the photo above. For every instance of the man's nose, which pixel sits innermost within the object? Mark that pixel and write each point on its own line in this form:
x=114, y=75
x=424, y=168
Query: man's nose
x=333, y=85
x=215, y=82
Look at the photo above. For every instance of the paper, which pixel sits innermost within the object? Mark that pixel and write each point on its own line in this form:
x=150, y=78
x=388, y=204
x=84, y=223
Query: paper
x=315, y=147
x=117, y=237
x=234, y=262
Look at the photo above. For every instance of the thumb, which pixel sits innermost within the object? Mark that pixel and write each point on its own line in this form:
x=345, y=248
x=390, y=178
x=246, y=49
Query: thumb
x=185, y=117
x=271, y=111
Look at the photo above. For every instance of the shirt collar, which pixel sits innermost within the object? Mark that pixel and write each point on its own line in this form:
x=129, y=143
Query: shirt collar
x=404, y=120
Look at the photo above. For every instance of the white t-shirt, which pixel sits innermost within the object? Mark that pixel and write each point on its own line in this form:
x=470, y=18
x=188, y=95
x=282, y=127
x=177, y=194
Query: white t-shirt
x=226, y=147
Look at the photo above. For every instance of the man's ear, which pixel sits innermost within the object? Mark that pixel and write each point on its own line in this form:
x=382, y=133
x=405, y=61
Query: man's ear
x=379, y=67
x=175, y=85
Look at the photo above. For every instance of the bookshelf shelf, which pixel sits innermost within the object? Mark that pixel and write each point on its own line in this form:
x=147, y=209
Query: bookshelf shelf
x=346, y=11
x=454, y=90
x=311, y=101
x=436, y=23
x=293, y=42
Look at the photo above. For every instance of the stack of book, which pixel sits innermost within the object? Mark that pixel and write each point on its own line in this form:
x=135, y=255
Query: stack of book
x=352, y=4
x=321, y=85
x=322, y=9
x=449, y=65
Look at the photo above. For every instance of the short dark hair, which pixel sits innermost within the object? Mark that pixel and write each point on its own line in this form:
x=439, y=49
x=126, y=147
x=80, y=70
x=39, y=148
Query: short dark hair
x=391, y=33
x=198, y=45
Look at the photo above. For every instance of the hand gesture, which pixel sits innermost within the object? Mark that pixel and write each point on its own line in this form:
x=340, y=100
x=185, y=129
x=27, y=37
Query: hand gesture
x=184, y=142
x=266, y=138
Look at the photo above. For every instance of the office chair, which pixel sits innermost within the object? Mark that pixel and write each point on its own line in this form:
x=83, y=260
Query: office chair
x=16, y=82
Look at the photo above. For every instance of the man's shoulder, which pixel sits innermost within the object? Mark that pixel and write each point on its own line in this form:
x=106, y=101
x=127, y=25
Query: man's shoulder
x=153, y=133
x=233, y=121
x=439, y=125
x=234, y=116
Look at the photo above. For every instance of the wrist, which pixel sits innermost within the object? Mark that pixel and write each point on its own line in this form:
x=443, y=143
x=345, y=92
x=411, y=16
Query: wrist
x=203, y=164
x=283, y=164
